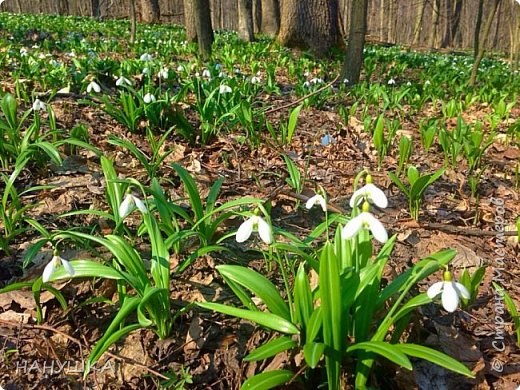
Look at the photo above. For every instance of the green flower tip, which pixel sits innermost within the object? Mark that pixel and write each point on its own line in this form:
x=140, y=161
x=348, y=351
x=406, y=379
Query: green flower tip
x=366, y=207
x=256, y=212
x=55, y=252
x=447, y=276
x=368, y=179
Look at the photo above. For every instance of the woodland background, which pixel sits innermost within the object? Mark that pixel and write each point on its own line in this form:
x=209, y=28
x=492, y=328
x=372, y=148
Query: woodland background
x=444, y=23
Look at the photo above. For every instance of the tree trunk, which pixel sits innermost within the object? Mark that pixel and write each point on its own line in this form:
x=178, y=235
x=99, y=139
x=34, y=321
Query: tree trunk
x=189, y=21
x=382, y=13
x=133, y=21
x=418, y=22
x=353, y=63
x=257, y=16
x=270, y=17
x=245, y=20
x=96, y=10
x=309, y=24
x=435, y=23
x=452, y=23
x=514, y=36
x=482, y=46
x=203, y=26
x=150, y=12
x=478, y=24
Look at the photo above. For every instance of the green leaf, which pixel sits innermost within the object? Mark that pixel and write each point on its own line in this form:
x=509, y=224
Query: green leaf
x=267, y=380
x=268, y=320
x=312, y=352
x=302, y=296
x=332, y=318
x=192, y=190
x=87, y=269
x=436, y=357
x=271, y=348
x=386, y=350
x=258, y=285
x=293, y=120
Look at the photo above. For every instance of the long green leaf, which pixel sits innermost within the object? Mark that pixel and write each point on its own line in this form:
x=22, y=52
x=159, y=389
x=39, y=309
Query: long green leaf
x=267, y=380
x=386, y=350
x=271, y=348
x=268, y=320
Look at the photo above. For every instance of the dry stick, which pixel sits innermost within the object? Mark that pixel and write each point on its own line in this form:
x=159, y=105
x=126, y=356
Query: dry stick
x=270, y=111
x=76, y=341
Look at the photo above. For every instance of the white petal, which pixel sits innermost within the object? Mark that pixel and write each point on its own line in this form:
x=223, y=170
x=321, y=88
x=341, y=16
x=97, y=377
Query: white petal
x=126, y=206
x=352, y=227
x=140, y=205
x=377, y=196
x=67, y=267
x=450, y=297
x=264, y=231
x=376, y=227
x=462, y=290
x=359, y=195
x=49, y=270
x=96, y=87
x=435, y=289
x=244, y=231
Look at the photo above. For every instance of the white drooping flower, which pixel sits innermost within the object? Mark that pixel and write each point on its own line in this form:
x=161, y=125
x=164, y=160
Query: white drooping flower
x=128, y=204
x=255, y=223
x=224, y=89
x=206, y=74
x=163, y=74
x=38, y=105
x=451, y=292
x=317, y=199
x=365, y=220
x=122, y=81
x=145, y=57
x=148, y=98
x=55, y=262
x=371, y=193
x=180, y=68
x=93, y=86
x=255, y=80
x=391, y=82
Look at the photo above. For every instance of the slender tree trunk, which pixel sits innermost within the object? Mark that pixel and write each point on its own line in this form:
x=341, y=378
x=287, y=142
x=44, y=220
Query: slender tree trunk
x=133, y=20
x=418, y=22
x=150, y=12
x=270, y=17
x=245, y=20
x=389, y=29
x=189, y=21
x=452, y=23
x=382, y=12
x=204, y=27
x=478, y=24
x=435, y=23
x=309, y=24
x=353, y=63
x=257, y=16
x=482, y=46
x=96, y=11
x=514, y=36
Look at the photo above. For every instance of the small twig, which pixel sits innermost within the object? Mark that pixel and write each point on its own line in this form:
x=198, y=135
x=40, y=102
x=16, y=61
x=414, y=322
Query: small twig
x=270, y=111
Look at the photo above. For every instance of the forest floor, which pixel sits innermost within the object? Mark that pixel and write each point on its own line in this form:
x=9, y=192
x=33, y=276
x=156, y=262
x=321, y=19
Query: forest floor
x=209, y=347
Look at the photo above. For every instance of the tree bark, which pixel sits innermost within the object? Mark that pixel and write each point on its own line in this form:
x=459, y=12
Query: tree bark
x=150, y=12
x=482, y=46
x=418, y=22
x=204, y=27
x=309, y=24
x=454, y=8
x=96, y=10
x=133, y=20
x=478, y=24
x=257, y=16
x=353, y=62
x=245, y=20
x=435, y=23
x=189, y=21
x=270, y=17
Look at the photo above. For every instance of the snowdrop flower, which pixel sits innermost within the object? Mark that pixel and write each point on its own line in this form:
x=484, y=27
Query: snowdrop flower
x=180, y=68
x=426, y=83
x=224, y=89
x=391, y=82
x=316, y=81
x=369, y=192
x=255, y=223
x=145, y=57
x=306, y=84
x=206, y=74
x=222, y=75
x=38, y=105
x=255, y=80
x=451, y=292
x=122, y=81
x=345, y=81
x=218, y=66
x=363, y=221
x=317, y=199
x=146, y=70
x=55, y=262
x=23, y=52
x=148, y=98
x=163, y=74
x=237, y=70
x=128, y=204
x=93, y=86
